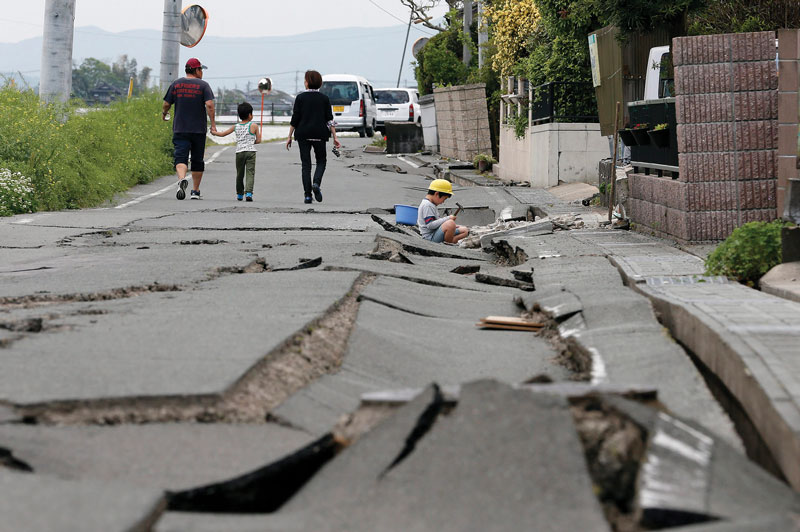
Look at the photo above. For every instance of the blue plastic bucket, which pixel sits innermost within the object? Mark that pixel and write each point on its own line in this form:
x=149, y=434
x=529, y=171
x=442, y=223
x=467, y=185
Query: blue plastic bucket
x=405, y=214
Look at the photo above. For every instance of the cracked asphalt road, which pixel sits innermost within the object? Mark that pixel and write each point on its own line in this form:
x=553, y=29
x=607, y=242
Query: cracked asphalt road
x=154, y=345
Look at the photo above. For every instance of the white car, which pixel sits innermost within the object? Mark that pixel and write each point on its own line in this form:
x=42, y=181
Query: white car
x=397, y=105
x=352, y=101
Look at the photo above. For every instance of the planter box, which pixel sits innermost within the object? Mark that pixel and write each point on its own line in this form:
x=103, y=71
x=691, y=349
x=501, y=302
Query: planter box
x=627, y=137
x=642, y=139
x=660, y=138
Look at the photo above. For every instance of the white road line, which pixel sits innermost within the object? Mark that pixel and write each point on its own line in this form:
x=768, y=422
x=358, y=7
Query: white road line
x=168, y=187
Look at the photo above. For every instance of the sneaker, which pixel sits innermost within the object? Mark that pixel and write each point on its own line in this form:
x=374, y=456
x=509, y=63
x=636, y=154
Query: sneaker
x=195, y=195
x=317, y=193
x=307, y=200
x=239, y=197
x=182, y=184
x=248, y=196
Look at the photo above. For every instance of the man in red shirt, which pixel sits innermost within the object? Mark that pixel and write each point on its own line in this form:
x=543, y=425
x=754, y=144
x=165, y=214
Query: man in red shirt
x=193, y=100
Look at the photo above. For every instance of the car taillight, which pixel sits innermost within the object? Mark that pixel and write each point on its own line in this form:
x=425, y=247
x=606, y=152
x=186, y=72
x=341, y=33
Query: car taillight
x=411, y=111
x=361, y=109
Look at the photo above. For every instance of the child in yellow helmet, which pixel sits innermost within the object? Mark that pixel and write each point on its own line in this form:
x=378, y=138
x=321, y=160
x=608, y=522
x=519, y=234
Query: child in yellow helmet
x=433, y=227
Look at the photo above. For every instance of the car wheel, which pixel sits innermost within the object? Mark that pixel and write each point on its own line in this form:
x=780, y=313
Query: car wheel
x=362, y=132
x=370, y=131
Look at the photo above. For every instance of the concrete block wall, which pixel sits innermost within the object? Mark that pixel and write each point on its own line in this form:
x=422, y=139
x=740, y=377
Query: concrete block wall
x=462, y=118
x=727, y=118
x=788, y=111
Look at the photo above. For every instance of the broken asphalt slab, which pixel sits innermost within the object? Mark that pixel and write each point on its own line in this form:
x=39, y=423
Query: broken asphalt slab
x=169, y=344
x=435, y=301
x=690, y=475
x=262, y=221
x=403, y=355
x=40, y=503
x=158, y=456
x=420, y=246
x=490, y=464
x=749, y=340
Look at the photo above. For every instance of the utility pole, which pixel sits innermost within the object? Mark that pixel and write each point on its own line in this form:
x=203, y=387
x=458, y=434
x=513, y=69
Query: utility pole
x=467, y=52
x=483, y=35
x=170, y=43
x=59, y=26
x=403, y=59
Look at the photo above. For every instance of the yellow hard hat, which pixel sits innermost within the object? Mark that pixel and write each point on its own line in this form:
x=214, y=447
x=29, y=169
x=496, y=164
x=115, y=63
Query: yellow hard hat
x=441, y=185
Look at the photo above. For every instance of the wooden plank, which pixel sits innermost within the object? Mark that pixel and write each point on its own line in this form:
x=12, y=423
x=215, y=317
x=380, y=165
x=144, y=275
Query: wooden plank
x=484, y=325
x=510, y=320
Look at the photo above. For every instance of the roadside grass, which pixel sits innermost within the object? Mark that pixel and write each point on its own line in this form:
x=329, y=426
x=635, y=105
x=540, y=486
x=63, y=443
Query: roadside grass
x=57, y=158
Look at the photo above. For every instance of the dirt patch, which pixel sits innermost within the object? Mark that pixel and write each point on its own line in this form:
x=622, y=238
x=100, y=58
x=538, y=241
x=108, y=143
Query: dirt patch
x=568, y=353
x=614, y=447
x=38, y=300
x=311, y=352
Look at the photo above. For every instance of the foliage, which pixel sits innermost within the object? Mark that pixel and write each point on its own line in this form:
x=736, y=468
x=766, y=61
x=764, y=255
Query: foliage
x=733, y=16
x=80, y=160
x=750, y=252
x=520, y=123
x=16, y=193
x=660, y=127
x=642, y=16
x=440, y=62
x=512, y=22
x=483, y=157
x=93, y=71
x=644, y=125
x=379, y=142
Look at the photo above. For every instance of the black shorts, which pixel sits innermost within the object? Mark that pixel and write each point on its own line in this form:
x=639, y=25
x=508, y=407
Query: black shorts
x=190, y=143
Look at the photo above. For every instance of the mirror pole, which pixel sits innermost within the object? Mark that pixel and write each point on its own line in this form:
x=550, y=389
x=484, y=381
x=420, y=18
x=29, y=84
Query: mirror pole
x=170, y=44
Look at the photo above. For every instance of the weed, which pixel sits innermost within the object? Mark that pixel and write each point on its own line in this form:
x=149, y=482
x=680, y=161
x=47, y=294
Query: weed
x=81, y=159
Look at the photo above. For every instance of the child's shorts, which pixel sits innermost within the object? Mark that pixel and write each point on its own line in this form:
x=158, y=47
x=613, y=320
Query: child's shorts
x=438, y=236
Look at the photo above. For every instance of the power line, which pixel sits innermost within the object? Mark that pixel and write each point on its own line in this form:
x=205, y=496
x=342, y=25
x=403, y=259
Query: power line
x=398, y=18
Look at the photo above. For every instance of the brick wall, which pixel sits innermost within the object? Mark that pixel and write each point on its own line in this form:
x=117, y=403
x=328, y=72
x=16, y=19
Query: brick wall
x=727, y=128
x=463, y=121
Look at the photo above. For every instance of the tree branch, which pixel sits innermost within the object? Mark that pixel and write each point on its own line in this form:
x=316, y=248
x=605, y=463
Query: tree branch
x=420, y=8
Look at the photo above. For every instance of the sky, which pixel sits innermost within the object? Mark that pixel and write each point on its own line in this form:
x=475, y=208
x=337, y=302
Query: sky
x=23, y=19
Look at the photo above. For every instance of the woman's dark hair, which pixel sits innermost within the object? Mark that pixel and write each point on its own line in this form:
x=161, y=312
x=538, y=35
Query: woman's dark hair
x=314, y=79
x=244, y=110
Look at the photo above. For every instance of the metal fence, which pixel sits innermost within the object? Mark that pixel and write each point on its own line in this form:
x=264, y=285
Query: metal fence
x=563, y=101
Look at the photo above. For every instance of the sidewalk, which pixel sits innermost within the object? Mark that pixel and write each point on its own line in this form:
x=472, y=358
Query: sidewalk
x=748, y=339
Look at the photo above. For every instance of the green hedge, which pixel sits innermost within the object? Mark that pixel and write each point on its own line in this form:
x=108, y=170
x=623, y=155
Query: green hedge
x=75, y=159
x=751, y=251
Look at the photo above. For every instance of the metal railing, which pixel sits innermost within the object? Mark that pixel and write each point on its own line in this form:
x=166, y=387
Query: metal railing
x=563, y=101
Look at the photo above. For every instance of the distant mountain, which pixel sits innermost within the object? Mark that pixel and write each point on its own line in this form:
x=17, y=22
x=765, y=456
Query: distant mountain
x=234, y=62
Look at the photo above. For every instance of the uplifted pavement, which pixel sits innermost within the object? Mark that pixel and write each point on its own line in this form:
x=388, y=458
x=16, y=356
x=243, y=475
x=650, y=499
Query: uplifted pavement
x=123, y=327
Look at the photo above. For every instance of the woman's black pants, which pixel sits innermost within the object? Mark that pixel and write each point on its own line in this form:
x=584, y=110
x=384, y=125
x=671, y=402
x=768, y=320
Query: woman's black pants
x=305, y=159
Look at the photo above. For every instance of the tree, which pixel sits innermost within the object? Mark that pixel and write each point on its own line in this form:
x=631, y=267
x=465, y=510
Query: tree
x=733, y=16
x=440, y=60
x=93, y=72
x=421, y=8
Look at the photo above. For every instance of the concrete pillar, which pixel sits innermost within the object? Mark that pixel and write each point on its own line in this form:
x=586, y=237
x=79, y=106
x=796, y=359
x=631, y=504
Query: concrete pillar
x=483, y=35
x=788, y=113
x=170, y=44
x=467, y=37
x=59, y=25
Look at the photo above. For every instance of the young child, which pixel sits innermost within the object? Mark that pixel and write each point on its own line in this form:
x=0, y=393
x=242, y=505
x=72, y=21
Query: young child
x=431, y=226
x=248, y=134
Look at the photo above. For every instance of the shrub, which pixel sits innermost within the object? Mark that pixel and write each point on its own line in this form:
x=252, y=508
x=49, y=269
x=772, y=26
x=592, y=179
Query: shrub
x=79, y=160
x=16, y=193
x=750, y=252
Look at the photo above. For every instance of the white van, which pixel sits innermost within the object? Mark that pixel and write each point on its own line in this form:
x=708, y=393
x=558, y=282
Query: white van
x=353, y=102
x=397, y=105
